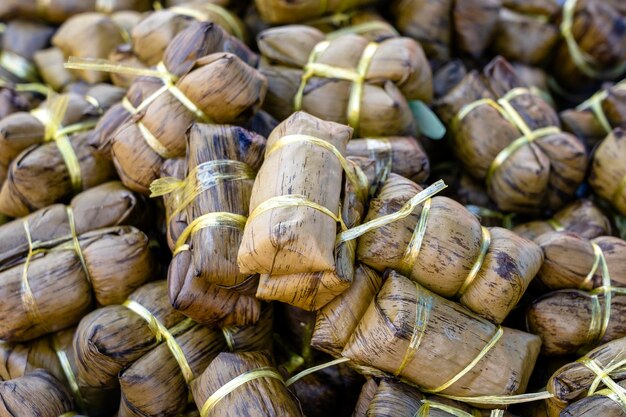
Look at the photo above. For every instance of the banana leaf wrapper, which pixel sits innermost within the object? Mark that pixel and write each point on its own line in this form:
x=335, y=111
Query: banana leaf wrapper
x=345, y=79
x=457, y=354
x=158, y=130
x=578, y=389
x=365, y=22
x=13, y=101
x=54, y=353
x=40, y=175
x=49, y=64
x=608, y=172
x=58, y=11
x=24, y=129
x=593, y=119
x=266, y=396
x=581, y=217
x=487, y=270
x=285, y=11
x=581, y=58
x=570, y=261
x=123, y=55
x=447, y=76
x=508, y=137
x=36, y=394
x=20, y=40
x=90, y=35
x=575, y=321
x=176, y=221
x=157, y=29
x=116, y=261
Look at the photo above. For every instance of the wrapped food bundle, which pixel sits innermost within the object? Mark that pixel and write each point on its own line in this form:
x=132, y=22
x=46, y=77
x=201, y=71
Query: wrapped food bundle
x=256, y=385
x=285, y=11
x=488, y=270
x=20, y=41
x=156, y=30
x=58, y=11
x=104, y=266
x=92, y=35
x=346, y=79
x=510, y=138
x=367, y=23
x=591, y=386
x=193, y=80
x=73, y=113
x=608, y=170
x=54, y=353
x=439, y=345
x=36, y=394
x=440, y=26
x=18, y=97
x=391, y=398
x=587, y=29
x=132, y=348
x=581, y=217
x=401, y=155
x=50, y=67
x=207, y=213
x=597, y=116
x=572, y=261
x=526, y=31
x=290, y=235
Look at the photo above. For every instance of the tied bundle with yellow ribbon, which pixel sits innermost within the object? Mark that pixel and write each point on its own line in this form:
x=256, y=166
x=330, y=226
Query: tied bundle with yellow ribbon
x=570, y=321
x=35, y=394
x=367, y=23
x=190, y=88
x=442, y=25
x=440, y=346
x=20, y=41
x=487, y=270
x=155, y=350
x=56, y=283
x=346, y=79
x=592, y=385
x=581, y=217
x=290, y=236
x=608, y=170
x=207, y=211
x=401, y=155
x=596, y=117
x=586, y=27
x=156, y=30
x=21, y=130
x=62, y=166
x=391, y=398
x=527, y=33
x=58, y=11
x=285, y=11
x=92, y=35
x=55, y=354
x=508, y=137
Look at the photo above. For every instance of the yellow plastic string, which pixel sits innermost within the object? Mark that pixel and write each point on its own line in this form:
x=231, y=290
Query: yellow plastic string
x=478, y=264
x=18, y=66
x=583, y=61
x=105, y=6
x=200, y=179
x=25, y=87
x=501, y=400
x=427, y=405
x=597, y=254
x=224, y=390
x=603, y=375
x=354, y=174
x=216, y=219
x=309, y=371
x=356, y=76
x=380, y=150
x=612, y=396
x=227, y=331
x=554, y=223
x=415, y=244
x=233, y=26
x=497, y=413
x=94, y=102
x=621, y=187
x=403, y=212
x=68, y=414
x=169, y=80
x=162, y=333
x=294, y=200
x=72, y=223
x=423, y=307
x=66, y=367
x=152, y=142
x=363, y=28
x=594, y=103
x=494, y=340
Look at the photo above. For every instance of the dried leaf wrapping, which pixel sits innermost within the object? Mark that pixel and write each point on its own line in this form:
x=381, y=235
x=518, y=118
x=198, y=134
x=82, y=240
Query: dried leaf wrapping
x=608, y=170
